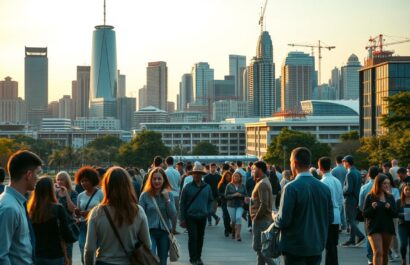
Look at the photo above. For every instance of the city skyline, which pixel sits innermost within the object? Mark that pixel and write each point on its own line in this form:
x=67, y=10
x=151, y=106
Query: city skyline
x=184, y=32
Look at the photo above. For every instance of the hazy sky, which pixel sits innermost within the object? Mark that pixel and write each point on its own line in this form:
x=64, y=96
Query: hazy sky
x=183, y=32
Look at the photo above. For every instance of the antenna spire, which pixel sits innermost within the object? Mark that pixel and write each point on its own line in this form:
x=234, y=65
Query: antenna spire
x=104, y=13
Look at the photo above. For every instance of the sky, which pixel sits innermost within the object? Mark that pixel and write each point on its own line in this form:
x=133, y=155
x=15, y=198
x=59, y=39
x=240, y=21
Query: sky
x=184, y=32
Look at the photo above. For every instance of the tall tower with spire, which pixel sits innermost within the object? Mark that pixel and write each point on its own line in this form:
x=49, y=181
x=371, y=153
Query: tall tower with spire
x=103, y=79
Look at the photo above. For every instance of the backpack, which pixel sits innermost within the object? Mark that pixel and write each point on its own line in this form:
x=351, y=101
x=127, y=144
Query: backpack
x=270, y=239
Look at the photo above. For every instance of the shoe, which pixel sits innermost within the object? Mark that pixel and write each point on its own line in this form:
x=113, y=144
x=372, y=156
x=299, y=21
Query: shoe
x=348, y=243
x=391, y=259
x=369, y=262
x=209, y=224
x=250, y=229
x=239, y=239
x=226, y=234
x=175, y=232
x=217, y=221
x=199, y=262
x=360, y=242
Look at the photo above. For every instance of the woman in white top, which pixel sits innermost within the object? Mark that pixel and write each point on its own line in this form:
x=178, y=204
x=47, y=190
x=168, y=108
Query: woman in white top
x=128, y=217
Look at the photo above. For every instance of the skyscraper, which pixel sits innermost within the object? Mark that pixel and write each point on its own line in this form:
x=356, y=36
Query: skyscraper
x=278, y=92
x=36, y=84
x=81, y=92
x=185, y=91
x=8, y=89
x=297, y=75
x=157, y=85
x=335, y=82
x=125, y=110
x=103, y=81
x=12, y=108
x=121, y=93
x=142, y=97
x=261, y=79
x=237, y=65
x=201, y=74
x=65, y=110
x=350, y=78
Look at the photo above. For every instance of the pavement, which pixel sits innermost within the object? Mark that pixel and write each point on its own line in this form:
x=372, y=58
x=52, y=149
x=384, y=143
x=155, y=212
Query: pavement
x=219, y=250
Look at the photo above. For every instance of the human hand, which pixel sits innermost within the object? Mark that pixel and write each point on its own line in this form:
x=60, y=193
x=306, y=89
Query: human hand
x=387, y=205
x=374, y=205
x=63, y=190
x=165, y=193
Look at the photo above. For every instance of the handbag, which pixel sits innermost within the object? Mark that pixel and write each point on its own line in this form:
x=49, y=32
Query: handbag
x=174, y=247
x=359, y=215
x=141, y=254
x=270, y=239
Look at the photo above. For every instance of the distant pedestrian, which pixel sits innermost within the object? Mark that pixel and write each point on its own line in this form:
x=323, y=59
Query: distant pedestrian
x=173, y=179
x=241, y=171
x=212, y=179
x=17, y=234
x=225, y=180
x=340, y=173
x=235, y=194
x=403, y=206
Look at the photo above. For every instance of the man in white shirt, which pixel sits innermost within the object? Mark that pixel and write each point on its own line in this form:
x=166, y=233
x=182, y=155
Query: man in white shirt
x=173, y=179
x=336, y=192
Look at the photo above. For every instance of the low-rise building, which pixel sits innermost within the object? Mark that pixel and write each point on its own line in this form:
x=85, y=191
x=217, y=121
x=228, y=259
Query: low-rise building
x=95, y=123
x=148, y=115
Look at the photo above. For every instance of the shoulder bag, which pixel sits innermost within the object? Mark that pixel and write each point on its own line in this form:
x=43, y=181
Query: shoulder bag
x=270, y=239
x=141, y=254
x=174, y=247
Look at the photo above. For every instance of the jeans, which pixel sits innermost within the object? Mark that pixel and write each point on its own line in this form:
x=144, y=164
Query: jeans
x=351, y=220
x=227, y=219
x=258, y=227
x=290, y=259
x=214, y=207
x=196, y=230
x=404, y=236
x=343, y=218
x=160, y=244
x=235, y=214
x=331, y=245
x=81, y=239
x=43, y=261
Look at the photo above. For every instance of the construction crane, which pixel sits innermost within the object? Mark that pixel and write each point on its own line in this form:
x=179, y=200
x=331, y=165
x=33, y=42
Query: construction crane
x=320, y=47
x=263, y=15
x=376, y=46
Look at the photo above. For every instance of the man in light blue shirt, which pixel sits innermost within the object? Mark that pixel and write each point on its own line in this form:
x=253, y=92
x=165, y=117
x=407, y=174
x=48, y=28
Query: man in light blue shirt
x=340, y=173
x=18, y=242
x=336, y=192
x=173, y=179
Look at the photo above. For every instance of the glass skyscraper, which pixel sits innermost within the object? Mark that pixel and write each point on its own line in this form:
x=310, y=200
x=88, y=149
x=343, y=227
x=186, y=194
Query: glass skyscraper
x=201, y=75
x=350, y=78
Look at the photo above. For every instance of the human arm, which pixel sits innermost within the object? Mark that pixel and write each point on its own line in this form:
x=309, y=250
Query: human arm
x=9, y=222
x=91, y=242
x=264, y=193
x=362, y=196
x=370, y=206
x=143, y=234
x=170, y=206
x=391, y=207
x=65, y=230
x=286, y=207
x=348, y=185
x=182, y=204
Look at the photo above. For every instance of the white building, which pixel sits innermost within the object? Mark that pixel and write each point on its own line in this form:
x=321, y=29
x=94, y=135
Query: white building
x=148, y=114
x=13, y=110
x=224, y=109
x=55, y=124
x=186, y=116
x=350, y=78
x=96, y=123
x=65, y=107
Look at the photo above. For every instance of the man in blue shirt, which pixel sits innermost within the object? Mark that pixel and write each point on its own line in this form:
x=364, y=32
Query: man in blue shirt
x=18, y=242
x=340, y=173
x=305, y=212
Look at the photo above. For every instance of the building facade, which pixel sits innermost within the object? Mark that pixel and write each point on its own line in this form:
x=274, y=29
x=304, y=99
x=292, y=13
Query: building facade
x=65, y=108
x=81, y=92
x=224, y=109
x=335, y=82
x=147, y=115
x=201, y=75
x=13, y=111
x=157, y=85
x=350, y=78
x=185, y=92
x=8, y=88
x=237, y=65
x=56, y=124
x=121, y=85
x=97, y=123
x=125, y=109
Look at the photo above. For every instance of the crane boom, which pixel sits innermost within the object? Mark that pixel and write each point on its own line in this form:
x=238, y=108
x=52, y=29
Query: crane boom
x=263, y=15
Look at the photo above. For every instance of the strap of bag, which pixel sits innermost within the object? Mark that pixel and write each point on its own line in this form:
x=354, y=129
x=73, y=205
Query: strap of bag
x=160, y=215
x=117, y=235
x=89, y=200
x=193, y=198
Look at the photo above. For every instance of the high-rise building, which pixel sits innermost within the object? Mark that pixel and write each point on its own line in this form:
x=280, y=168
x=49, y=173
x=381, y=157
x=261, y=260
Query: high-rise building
x=103, y=80
x=185, y=92
x=157, y=85
x=142, y=97
x=380, y=78
x=65, y=110
x=36, y=84
x=8, y=89
x=335, y=82
x=53, y=110
x=81, y=92
x=223, y=109
x=324, y=92
x=222, y=89
x=170, y=107
x=261, y=79
x=350, y=78
x=278, y=92
x=13, y=111
x=237, y=65
x=125, y=110
x=148, y=114
x=121, y=91
x=297, y=73
x=201, y=74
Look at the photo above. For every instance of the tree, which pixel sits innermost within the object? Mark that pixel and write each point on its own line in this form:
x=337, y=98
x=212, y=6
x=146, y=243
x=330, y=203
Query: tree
x=282, y=145
x=105, y=149
x=352, y=135
x=205, y=148
x=350, y=145
x=178, y=150
x=142, y=149
x=7, y=148
x=398, y=119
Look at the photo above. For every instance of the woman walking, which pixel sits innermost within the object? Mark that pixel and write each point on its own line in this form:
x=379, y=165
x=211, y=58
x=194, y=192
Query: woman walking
x=235, y=194
x=121, y=207
x=50, y=224
x=88, y=177
x=156, y=195
x=379, y=211
x=225, y=180
x=403, y=206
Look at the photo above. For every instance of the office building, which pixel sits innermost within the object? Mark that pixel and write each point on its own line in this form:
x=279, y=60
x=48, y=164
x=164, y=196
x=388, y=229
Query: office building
x=324, y=92
x=380, y=78
x=81, y=92
x=121, y=85
x=222, y=89
x=53, y=110
x=186, y=116
x=297, y=80
x=8, y=88
x=185, y=92
x=335, y=82
x=350, y=78
x=261, y=79
x=125, y=110
x=170, y=107
x=36, y=84
x=142, y=97
x=56, y=124
x=97, y=123
x=201, y=74
x=65, y=110
x=237, y=65
x=148, y=114
x=13, y=111
x=278, y=92
x=224, y=109
x=157, y=85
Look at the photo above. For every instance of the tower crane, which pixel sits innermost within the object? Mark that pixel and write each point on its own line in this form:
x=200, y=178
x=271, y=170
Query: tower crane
x=263, y=15
x=376, y=46
x=319, y=47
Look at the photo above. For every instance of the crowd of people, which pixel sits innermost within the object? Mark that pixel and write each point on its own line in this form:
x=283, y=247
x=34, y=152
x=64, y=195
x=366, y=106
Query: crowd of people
x=109, y=210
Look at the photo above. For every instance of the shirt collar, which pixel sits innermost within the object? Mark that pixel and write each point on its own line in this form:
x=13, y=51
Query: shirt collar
x=304, y=174
x=17, y=195
x=327, y=175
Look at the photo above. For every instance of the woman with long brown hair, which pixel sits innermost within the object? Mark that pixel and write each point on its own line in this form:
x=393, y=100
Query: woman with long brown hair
x=128, y=217
x=50, y=224
x=225, y=179
x=403, y=206
x=379, y=211
x=235, y=195
x=157, y=193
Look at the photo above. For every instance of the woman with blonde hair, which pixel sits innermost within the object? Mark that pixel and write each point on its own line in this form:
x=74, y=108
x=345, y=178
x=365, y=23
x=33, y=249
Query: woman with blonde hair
x=156, y=193
x=120, y=206
x=225, y=180
x=235, y=194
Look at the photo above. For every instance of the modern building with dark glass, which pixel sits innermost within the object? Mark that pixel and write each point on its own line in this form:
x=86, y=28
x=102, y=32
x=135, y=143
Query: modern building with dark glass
x=380, y=78
x=103, y=79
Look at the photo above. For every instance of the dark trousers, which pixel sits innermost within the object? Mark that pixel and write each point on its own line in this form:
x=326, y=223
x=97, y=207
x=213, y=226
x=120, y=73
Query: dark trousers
x=227, y=219
x=196, y=230
x=404, y=236
x=331, y=245
x=351, y=213
x=290, y=259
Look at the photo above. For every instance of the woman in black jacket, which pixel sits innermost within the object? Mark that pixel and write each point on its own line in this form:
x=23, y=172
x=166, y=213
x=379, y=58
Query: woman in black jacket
x=379, y=211
x=226, y=178
x=403, y=206
x=50, y=224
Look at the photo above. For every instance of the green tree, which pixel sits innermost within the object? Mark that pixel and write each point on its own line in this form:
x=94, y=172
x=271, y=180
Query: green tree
x=43, y=148
x=142, y=149
x=105, y=149
x=178, y=150
x=282, y=145
x=7, y=147
x=350, y=145
x=352, y=135
x=205, y=148
x=398, y=119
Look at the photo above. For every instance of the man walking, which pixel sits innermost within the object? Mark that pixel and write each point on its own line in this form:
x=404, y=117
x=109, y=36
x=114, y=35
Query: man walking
x=351, y=191
x=212, y=179
x=17, y=238
x=261, y=209
x=305, y=213
x=336, y=192
x=173, y=179
x=340, y=173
